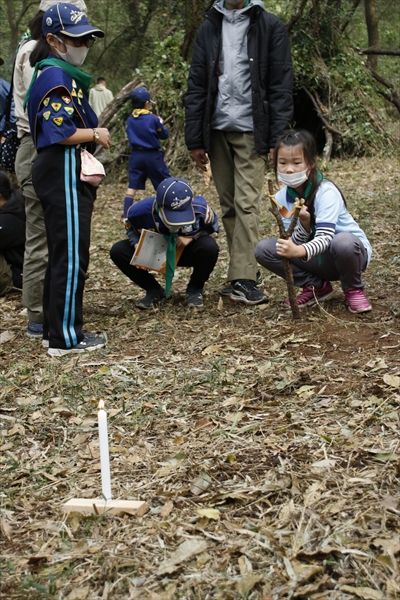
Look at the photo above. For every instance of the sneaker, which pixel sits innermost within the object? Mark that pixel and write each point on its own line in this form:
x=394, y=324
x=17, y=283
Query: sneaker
x=228, y=289
x=151, y=298
x=357, y=301
x=87, y=334
x=310, y=295
x=90, y=342
x=34, y=330
x=245, y=290
x=194, y=298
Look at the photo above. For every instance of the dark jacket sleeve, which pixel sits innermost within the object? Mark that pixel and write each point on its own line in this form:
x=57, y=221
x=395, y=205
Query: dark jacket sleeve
x=196, y=96
x=280, y=81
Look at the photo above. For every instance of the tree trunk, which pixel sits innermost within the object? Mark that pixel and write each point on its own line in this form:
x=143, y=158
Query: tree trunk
x=371, y=19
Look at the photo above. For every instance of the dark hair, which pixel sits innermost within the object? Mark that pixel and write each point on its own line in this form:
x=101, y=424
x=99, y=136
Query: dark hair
x=138, y=104
x=100, y=79
x=303, y=138
x=35, y=25
x=40, y=51
x=6, y=188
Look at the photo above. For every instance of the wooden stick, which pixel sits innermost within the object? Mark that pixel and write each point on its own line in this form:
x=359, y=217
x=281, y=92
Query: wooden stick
x=100, y=506
x=285, y=235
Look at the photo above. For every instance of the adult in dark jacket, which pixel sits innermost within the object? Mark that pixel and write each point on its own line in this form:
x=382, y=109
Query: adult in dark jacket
x=12, y=235
x=239, y=101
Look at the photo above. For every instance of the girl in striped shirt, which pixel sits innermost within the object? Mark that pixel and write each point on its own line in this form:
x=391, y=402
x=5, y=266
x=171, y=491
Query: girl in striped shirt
x=327, y=244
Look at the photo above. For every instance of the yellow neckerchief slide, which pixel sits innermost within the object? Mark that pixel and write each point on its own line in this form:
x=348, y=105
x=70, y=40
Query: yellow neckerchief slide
x=140, y=111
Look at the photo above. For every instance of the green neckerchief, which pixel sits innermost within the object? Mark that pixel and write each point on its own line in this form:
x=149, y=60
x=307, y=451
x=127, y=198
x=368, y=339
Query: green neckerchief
x=171, y=239
x=140, y=111
x=82, y=79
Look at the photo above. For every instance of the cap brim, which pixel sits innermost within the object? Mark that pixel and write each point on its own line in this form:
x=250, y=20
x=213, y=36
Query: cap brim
x=81, y=30
x=178, y=218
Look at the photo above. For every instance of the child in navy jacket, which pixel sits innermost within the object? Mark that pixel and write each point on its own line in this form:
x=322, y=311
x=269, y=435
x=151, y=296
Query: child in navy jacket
x=187, y=223
x=144, y=131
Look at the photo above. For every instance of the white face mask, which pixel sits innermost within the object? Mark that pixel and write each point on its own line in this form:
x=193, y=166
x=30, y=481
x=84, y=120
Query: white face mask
x=73, y=56
x=293, y=180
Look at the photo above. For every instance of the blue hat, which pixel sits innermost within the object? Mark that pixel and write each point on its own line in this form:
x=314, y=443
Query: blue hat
x=68, y=20
x=140, y=95
x=174, y=200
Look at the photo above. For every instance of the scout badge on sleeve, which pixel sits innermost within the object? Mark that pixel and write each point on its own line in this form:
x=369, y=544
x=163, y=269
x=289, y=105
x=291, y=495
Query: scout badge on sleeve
x=92, y=171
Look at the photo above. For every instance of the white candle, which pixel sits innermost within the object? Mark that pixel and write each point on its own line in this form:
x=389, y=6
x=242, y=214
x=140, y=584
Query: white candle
x=104, y=455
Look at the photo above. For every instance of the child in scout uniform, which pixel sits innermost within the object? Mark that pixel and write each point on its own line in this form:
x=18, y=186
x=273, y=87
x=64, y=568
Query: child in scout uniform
x=144, y=131
x=61, y=121
x=186, y=222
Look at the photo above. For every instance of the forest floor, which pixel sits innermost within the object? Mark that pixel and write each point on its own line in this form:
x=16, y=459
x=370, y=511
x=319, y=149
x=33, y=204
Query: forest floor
x=267, y=449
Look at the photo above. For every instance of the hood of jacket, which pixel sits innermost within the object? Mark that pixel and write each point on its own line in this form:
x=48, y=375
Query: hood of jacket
x=99, y=88
x=232, y=14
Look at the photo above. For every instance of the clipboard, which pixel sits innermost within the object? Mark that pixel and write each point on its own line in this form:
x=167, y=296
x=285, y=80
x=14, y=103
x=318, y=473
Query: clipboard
x=151, y=252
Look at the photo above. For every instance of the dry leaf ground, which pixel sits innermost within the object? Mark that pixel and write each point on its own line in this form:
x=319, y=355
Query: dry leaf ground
x=267, y=450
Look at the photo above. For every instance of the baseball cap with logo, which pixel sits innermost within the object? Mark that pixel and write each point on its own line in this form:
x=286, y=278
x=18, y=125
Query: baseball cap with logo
x=140, y=94
x=69, y=20
x=174, y=200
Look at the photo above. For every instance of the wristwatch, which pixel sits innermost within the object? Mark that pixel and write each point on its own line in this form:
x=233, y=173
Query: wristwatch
x=96, y=135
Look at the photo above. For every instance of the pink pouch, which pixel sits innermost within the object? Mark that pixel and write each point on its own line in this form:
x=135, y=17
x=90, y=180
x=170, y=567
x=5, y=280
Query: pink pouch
x=92, y=171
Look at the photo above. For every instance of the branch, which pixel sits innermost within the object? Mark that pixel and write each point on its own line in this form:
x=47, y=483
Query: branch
x=325, y=122
x=384, y=51
x=286, y=262
x=393, y=97
x=349, y=15
x=297, y=16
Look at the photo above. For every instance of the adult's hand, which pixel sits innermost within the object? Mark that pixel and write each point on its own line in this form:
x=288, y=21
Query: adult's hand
x=200, y=158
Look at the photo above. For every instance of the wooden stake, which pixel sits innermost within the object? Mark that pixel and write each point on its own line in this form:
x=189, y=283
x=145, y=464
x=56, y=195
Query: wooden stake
x=111, y=507
x=286, y=235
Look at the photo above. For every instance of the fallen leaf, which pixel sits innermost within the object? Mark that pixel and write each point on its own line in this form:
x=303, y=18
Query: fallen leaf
x=167, y=509
x=200, y=484
x=209, y=513
x=247, y=582
x=6, y=336
x=392, y=380
x=363, y=592
x=184, y=552
x=392, y=545
x=17, y=429
x=324, y=464
x=5, y=528
x=80, y=593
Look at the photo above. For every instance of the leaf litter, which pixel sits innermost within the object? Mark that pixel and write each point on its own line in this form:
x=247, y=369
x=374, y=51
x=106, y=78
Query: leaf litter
x=267, y=450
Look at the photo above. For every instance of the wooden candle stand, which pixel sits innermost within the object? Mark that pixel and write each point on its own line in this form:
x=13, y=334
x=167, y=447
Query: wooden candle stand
x=100, y=506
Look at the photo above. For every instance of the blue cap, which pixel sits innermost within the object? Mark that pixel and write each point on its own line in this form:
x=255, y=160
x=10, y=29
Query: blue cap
x=174, y=199
x=140, y=95
x=68, y=20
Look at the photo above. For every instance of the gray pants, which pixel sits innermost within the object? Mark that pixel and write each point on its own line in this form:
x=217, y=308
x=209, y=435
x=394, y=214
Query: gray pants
x=238, y=173
x=344, y=261
x=35, y=258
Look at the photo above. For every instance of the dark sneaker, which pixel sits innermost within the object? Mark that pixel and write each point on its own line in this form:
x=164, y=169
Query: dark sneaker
x=194, y=298
x=87, y=334
x=89, y=343
x=151, y=298
x=228, y=289
x=311, y=295
x=245, y=290
x=34, y=330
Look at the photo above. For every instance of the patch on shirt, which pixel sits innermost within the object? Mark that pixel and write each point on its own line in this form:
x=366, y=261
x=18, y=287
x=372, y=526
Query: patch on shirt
x=46, y=115
x=80, y=94
x=73, y=92
x=74, y=83
x=69, y=110
x=66, y=99
x=56, y=106
x=46, y=101
x=58, y=121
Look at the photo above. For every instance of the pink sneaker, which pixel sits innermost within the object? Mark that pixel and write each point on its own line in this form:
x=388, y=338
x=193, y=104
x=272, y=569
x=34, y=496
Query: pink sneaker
x=357, y=301
x=309, y=295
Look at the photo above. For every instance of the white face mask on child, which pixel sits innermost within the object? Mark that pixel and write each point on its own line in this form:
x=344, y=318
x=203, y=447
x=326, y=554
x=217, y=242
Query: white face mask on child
x=74, y=56
x=293, y=180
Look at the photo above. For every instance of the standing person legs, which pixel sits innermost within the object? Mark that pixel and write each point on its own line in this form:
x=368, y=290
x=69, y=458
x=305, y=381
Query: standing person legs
x=67, y=205
x=5, y=275
x=36, y=253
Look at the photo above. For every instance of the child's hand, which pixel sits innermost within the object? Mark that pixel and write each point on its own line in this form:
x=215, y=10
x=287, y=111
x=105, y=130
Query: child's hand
x=104, y=138
x=182, y=241
x=288, y=249
x=305, y=218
